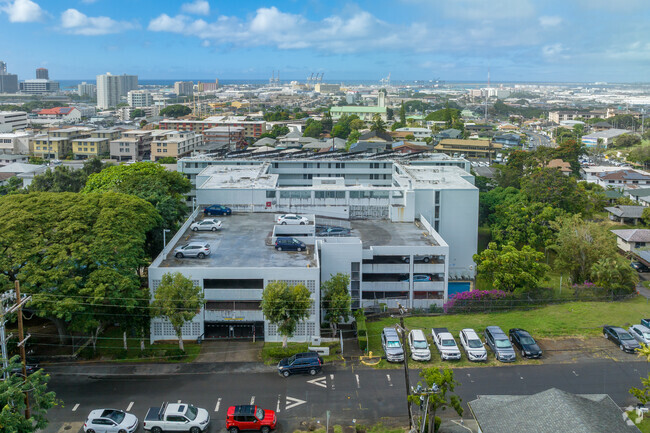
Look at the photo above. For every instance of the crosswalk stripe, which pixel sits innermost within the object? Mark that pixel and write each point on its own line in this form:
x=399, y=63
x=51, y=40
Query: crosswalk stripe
x=216, y=408
x=76, y=406
x=129, y=406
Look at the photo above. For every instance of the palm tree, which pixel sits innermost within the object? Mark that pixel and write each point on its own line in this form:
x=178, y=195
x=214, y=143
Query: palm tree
x=377, y=125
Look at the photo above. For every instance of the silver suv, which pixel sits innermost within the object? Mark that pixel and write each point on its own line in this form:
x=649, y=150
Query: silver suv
x=193, y=249
x=498, y=341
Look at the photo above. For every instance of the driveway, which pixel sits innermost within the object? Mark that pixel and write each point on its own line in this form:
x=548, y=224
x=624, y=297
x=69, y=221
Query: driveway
x=643, y=291
x=230, y=351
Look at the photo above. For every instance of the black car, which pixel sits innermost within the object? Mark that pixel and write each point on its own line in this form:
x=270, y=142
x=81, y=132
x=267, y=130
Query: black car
x=217, y=209
x=620, y=336
x=289, y=244
x=31, y=367
x=526, y=344
x=308, y=362
x=640, y=267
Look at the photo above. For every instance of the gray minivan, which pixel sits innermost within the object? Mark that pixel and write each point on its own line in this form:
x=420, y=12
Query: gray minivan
x=392, y=346
x=498, y=341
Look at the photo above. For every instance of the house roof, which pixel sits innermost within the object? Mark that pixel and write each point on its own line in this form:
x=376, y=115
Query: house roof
x=628, y=174
x=564, y=167
x=633, y=235
x=409, y=145
x=56, y=111
x=354, y=109
x=476, y=143
x=266, y=141
x=626, y=211
x=610, y=133
x=19, y=167
x=362, y=146
x=385, y=136
x=602, y=125
x=549, y=411
x=639, y=192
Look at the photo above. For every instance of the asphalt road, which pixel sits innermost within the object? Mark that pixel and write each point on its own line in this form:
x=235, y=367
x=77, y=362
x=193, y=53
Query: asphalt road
x=538, y=139
x=352, y=394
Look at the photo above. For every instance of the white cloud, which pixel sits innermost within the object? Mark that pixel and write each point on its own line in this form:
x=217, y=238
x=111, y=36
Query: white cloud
x=23, y=11
x=481, y=10
x=550, y=21
x=78, y=23
x=554, y=51
x=88, y=2
x=197, y=7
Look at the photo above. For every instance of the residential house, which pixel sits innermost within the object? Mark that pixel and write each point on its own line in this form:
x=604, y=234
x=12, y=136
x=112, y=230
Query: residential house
x=8, y=158
x=563, y=166
x=175, y=144
x=409, y=147
x=57, y=144
x=133, y=145
x=549, y=411
x=65, y=114
x=507, y=139
x=640, y=195
x=220, y=137
x=419, y=133
x=603, y=138
x=369, y=146
x=449, y=133
x=601, y=126
x=15, y=142
x=95, y=146
x=469, y=148
x=376, y=137
x=507, y=127
x=625, y=214
x=623, y=178
x=21, y=169
x=631, y=239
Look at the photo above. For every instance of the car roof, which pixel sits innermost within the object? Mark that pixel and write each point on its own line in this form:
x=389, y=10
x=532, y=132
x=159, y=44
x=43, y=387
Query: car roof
x=176, y=408
x=520, y=331
x=390, y=332
x=642, y=328
x=470, y=332
x=199, y=244
x=616, y=329
x=418, y=333
x=495, y=330
x=246, y=409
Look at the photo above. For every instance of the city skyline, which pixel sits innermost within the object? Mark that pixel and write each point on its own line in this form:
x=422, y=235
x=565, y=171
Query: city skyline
x=518, y=40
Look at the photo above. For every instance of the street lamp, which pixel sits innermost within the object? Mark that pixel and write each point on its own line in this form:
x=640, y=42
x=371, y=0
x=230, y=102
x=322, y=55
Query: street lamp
x=165, y=238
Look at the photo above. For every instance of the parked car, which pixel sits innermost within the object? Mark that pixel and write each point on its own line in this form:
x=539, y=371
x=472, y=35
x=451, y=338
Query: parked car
x=292, y=218
x=308, y=362
x=622, y=338
x=206, y=224
x=193, y=249
x=334, y=231
x=419, y=346
x=498, y=341
x=640, y=333
x=217, y=209
x=423, y=259
x=446, y=344
x=526, y=344
x=391, y=345
x=472, y=345
x=418, y=278
x=110, y=421
x=645, y=322
x=289, y=244
x=176, y=417
x=249, y=417
x=640, y=267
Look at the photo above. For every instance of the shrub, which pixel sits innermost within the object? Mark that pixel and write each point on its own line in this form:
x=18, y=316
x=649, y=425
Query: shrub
x=477, y=299
x=122, y=354
x=362, y=331
x=175, y=354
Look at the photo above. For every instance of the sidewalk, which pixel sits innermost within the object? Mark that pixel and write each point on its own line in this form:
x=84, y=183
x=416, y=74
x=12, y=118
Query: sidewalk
x=97, y=369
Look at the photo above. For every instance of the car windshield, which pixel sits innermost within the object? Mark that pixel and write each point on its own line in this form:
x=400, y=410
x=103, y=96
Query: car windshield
x=393, y=343
x=502, y=344
x=116, y=416
x=259, y=413
x=420, y=344
x=625, y=336
x=291, y=359
x=474, y=344
x=646, y=335
x=191, y=412
x=448, y=343
x=527, y=340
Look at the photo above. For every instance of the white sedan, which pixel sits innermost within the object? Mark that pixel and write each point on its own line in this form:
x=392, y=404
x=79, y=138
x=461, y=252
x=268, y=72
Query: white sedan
x=291, y=218
x=110, y=421
x=206, y=224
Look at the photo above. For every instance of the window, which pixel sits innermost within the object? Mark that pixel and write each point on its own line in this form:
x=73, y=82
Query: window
x=329, y=194
x=270, y=194
x=233, y=284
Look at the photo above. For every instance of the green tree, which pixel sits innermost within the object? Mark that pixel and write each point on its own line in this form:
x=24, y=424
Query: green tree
x=66, y=179
x=402, y=114
x=510, y=269
x=377, y=125
x=178, y=300
x=327, y=121
x=336, y=300
x=138, y=112
x=352, y=138
x=340, y=131
x=643, y=394
x=445, y=114
x=579, y=245
x=176, y=110
x=614, y=274
x=166, y=160
x=525, y=222
x=314, y=130
x=12, y=400
x=441, y=381
x=13, y=184
x=627, y=140
x=390, y=113
x=570, y=151
x=397, y=125
x=357, y=124
x=551, y=187
x=285, y=306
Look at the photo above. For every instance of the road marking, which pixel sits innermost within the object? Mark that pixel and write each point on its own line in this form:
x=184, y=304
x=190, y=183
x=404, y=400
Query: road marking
x=179, y=402
x=216, y=408
x=319, y=381
x=574, y=372
x=389, y=381
x=252, y=400
x=357, y=376
x=521, y=377
x=128, y=408
x=277, y=409
x=76, y=406
x=332, y=380
x=293, y=402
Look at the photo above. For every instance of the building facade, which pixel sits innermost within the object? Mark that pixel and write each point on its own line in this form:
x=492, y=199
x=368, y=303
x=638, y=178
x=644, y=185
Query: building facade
x=252, y=128
x=174, y=144
x=221, y=137
x=86, y=89
x=95, y=146
x=139, y=98
x=108, y=91
x=8, y=82
x=42, y=73
x=185, y=88
x=133, y=145
x=16, y=143
x=12, y=120
x=469, y=148
x=56, y=144
x=39, y=86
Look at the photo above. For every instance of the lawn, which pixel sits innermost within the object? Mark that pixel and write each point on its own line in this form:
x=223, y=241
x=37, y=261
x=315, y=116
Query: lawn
x=110, y=347
x=644, y=425
x=582, y=319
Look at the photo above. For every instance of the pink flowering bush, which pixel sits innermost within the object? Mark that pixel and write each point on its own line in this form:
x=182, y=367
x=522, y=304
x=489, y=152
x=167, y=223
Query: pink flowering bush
x=464, y=300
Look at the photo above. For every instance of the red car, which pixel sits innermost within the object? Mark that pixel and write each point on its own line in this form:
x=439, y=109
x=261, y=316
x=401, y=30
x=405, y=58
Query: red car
x=248, y=417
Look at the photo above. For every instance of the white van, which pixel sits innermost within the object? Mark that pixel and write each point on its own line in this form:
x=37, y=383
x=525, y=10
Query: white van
x=419, y=346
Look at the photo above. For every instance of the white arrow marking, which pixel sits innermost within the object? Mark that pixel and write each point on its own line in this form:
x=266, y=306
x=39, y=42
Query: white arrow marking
x=252, y=400
x=293, y=402
x=76, y=406
x=319, y=381
x=574, y=372
x=277, y=409
x=357, y=376
x=216, y=408
x=128, y=408
x=332, y=380
x=389, y=382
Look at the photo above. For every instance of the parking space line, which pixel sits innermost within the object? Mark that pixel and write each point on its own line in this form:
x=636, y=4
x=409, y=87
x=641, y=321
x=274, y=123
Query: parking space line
x=357, y=376
x=128, y=408
x=216, y=408
x=179, y=402
x=332, y=380
x=277, y=409
x=389, y=381
x=252, y=400
x=76, y=406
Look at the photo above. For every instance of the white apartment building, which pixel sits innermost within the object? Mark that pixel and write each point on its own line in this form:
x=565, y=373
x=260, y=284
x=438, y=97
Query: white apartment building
x=12, y=120
x=418, y=133
x=108, y=91
x=86, y=89
x=184, y=88
x=15, y=142
x=39, y=86
x=139, y=98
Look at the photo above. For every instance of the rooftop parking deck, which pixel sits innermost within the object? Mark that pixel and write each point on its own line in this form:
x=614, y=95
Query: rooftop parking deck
x=243, y=241
x=386, y=233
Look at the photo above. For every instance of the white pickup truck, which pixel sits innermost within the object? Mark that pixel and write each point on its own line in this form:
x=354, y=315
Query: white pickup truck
x=446, y=344
x=176, y=417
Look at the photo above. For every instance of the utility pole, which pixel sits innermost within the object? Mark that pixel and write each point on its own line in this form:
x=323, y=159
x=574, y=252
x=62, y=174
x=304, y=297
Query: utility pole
x=406, y=364
x=22, y=341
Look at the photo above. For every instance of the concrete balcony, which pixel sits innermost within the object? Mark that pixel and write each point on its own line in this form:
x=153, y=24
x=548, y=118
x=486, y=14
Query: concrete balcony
x=233, y=315
x=385, y=286
x=385, y=268
x=429, y=286
x=233, y=294
x=428, y=268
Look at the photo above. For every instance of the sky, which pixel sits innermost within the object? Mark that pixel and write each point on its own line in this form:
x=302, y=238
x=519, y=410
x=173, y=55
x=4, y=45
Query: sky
x=453, y=40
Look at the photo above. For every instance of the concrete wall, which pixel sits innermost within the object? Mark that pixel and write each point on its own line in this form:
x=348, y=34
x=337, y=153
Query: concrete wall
x=459, y=227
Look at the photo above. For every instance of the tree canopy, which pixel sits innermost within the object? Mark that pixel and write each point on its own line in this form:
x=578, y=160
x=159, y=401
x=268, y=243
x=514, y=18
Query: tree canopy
x=176, y=110
x=442, y=382
x=314, y=129
x=65, y=179
x=285, y=306
x=336, y=300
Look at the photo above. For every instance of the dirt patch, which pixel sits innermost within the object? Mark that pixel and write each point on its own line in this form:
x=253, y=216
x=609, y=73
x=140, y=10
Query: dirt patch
x=574, y=349
x=230, y=351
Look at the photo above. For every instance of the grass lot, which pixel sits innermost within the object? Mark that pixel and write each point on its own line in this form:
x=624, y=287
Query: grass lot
x=565, y=291
x=644, y=425
x=110, y=347
x=273, y=352
x=580, y=319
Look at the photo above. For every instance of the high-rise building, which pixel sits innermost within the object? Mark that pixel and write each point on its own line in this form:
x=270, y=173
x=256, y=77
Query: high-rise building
x=208, y=87
x=85, y=89
x=38, y=86
x=139, y=98
x=8, y=82
x=128, y=83
x=108, y=90
x=42, y=73
x=184, y=88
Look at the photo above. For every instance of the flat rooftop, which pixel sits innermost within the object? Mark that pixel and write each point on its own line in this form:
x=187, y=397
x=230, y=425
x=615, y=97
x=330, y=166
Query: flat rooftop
x=243, y=241
x=386, y=233
x=238, y=176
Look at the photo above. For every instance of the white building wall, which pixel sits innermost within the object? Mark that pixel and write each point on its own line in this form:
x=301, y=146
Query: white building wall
x=459, y=227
